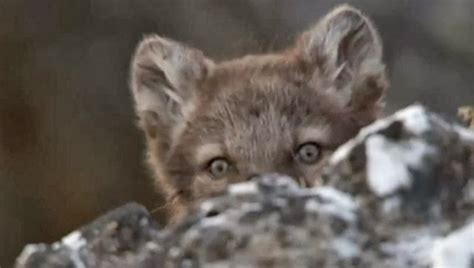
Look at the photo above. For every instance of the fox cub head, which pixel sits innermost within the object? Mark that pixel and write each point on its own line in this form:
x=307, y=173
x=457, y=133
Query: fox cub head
x=209, y=124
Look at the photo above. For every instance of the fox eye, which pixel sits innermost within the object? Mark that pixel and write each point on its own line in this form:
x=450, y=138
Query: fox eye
x=308, y=153
x=218, y=167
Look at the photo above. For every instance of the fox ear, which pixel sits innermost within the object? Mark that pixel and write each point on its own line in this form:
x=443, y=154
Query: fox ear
x=346, y=48
x=164, y=77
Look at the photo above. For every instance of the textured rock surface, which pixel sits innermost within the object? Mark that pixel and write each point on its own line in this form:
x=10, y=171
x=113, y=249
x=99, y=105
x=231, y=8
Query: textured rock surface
x=413, y=175
x=400, y=194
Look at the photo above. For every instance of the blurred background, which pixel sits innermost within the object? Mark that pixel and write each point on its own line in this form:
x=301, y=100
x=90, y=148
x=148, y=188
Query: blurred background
x=69, y=148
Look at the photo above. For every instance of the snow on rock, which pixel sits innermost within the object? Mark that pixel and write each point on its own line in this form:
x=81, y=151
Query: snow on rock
x=101, y=243
x=384, y=154
x=334, y=203
x=270, y=220
x=74, y=241
x=243, y=189
x=409, y=159
x=413, y=170
x=456, y=250
x=394, y=196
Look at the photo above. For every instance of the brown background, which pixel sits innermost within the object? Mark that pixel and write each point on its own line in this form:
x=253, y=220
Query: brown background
x=69, y=149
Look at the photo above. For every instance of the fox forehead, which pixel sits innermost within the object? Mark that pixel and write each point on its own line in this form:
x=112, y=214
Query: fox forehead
x=259, y=106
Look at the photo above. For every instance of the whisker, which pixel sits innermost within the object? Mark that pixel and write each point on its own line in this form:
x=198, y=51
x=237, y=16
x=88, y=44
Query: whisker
x=302, y=182
x=171, y=200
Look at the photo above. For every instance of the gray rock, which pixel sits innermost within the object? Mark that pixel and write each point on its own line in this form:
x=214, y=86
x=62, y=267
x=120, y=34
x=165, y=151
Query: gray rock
x=414, y=164
x=400, y=194
x=413, y=175
x=124, y=237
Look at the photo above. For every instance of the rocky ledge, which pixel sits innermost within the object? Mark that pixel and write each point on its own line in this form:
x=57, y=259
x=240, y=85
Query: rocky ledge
x=400, y=194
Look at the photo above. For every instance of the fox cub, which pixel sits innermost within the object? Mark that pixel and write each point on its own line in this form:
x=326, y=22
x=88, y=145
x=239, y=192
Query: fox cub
x=209, y=124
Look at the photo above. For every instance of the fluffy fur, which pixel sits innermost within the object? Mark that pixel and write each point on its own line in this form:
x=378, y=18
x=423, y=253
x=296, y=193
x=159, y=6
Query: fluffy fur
x=256, y=110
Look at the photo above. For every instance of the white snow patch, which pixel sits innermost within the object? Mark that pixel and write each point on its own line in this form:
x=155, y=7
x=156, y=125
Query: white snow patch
x=312, y=205
x=414, y=118
x=455, y=250
x=207, y=206
x=244, y=188
x=342, y=199
x=27, y=251
x=56, y=245
x=412, y=245
x=75, y=241
x=218, y=220
x=388, y=163
x=391, y=207
x=336, y=203
x=345, y=248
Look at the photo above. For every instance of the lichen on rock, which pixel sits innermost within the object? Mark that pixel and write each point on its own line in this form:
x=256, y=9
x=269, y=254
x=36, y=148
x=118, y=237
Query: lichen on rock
x=400, y=194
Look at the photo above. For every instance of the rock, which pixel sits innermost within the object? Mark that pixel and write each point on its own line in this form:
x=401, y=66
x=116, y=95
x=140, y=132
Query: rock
x=412, y=170
x=124, y=237
x=414, y=165
x=400, y=194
